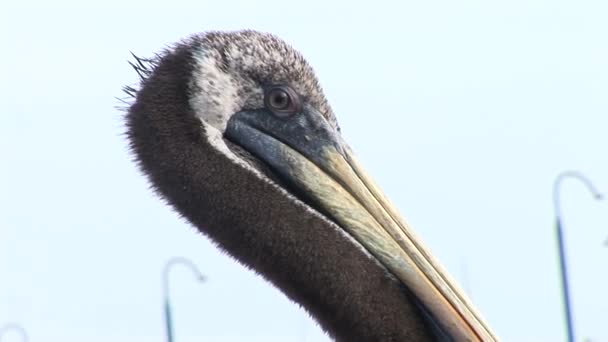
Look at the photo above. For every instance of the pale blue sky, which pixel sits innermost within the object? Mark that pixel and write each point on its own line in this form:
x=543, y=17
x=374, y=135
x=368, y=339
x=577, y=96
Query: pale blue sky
x=464, y=111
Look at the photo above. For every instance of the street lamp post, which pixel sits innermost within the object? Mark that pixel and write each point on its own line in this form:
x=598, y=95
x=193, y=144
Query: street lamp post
x=560, y=241
x=166, y=290
x=16, y=328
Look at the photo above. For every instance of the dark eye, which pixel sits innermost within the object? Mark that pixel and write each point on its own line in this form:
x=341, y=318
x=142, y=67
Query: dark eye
x=282, y=101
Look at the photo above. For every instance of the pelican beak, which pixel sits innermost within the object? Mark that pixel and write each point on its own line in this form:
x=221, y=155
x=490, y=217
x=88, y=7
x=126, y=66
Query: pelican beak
x=307, y=152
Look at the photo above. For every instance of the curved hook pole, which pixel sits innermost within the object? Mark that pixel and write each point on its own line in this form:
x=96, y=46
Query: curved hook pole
x=557, y=186
x=560, y=240
x=14, y=327
x=166, y=291
x=179, y=261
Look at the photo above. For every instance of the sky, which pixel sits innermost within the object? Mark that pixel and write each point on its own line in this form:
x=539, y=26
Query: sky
x=463, y=111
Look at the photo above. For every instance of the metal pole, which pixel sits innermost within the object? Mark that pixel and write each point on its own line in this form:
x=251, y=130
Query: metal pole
x=16, y=328
x=564, y=278
x=165, y=284
x=561, y=243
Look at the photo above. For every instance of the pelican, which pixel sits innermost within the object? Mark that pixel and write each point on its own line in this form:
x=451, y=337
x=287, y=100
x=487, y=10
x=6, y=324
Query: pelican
x=233, y=131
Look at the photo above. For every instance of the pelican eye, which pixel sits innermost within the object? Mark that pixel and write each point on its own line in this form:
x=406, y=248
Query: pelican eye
x=282, y=101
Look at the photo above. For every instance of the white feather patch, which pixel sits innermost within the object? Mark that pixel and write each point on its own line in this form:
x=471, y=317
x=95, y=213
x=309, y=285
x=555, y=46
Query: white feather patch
x=216, y=98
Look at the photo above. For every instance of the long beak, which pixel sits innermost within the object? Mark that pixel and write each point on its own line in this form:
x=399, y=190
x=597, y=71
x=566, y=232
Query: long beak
x=310, y=155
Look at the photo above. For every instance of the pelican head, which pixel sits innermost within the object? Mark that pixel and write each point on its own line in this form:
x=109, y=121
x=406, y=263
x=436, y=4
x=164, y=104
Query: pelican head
x=234, y=132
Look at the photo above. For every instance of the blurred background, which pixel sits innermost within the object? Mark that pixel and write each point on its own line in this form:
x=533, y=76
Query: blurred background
x=464, y=111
